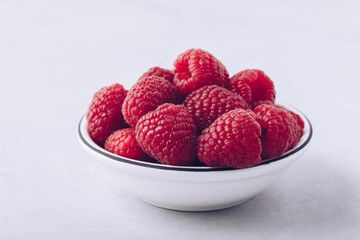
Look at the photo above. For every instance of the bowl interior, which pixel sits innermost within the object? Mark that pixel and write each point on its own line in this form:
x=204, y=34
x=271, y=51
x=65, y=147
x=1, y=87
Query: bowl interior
x=87, y=141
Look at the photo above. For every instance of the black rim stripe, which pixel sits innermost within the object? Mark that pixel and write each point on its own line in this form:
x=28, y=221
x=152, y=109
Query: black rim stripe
x=207, y=169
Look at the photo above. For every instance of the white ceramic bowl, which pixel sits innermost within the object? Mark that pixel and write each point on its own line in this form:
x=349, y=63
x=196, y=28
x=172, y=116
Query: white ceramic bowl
x=193, y=188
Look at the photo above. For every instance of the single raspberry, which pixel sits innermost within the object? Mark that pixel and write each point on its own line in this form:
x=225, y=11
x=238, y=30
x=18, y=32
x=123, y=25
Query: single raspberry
x=232, y=140
x=261, y=87
x=260, y=102
x=239, y=87
x=196, y=68
x=208, y=103
x=168, y=134
x=146, y=95
x=160, y=72
x=299, y=129
x=122, y=142
x=104, y=115
x=278, y=129
x=298, y=119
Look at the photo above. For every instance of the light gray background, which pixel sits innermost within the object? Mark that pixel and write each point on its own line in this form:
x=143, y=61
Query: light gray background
x=55, y=54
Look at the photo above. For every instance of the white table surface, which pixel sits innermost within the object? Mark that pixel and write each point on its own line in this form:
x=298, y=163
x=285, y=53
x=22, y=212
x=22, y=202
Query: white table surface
x=55, y=54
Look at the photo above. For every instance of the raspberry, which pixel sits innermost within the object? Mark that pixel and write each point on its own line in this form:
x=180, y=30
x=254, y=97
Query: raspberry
x=299, y=129
x=196, y=68
x=278, y=129
x=208, y=103
x=104, y=115
x=123, y=143
x=260, y=102
x=168, y=134
x=160, y=72
x=146, y=95
x=261, y=87
x=298, y=119
x=239, y=87
x=232, y=140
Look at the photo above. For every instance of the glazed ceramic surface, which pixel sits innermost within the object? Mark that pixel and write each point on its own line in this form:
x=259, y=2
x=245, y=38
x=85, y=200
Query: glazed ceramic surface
x=193, y=188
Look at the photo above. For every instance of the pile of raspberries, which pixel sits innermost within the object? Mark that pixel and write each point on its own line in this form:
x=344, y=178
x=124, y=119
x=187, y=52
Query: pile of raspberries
x=194, y=115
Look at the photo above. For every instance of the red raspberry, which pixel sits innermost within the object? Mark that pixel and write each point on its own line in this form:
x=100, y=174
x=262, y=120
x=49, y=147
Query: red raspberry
x=261, y=87
x=160, y=72
x=123, y=143
x=104, y=115
x=260, y=102
x=146, y=95
x=232, y=140
x=168, y=134
x=196, y=68
x=299, y=129
x=278, y=129
x=298, y=119
x=239, y=87
x=208, y=103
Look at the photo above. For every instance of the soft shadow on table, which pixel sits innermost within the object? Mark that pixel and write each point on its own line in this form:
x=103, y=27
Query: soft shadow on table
x=319, y=203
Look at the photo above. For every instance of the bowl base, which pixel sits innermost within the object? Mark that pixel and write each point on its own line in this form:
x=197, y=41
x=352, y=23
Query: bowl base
x=196, y=208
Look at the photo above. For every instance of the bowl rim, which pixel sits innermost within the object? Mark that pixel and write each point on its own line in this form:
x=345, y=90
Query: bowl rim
x=86, y=140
